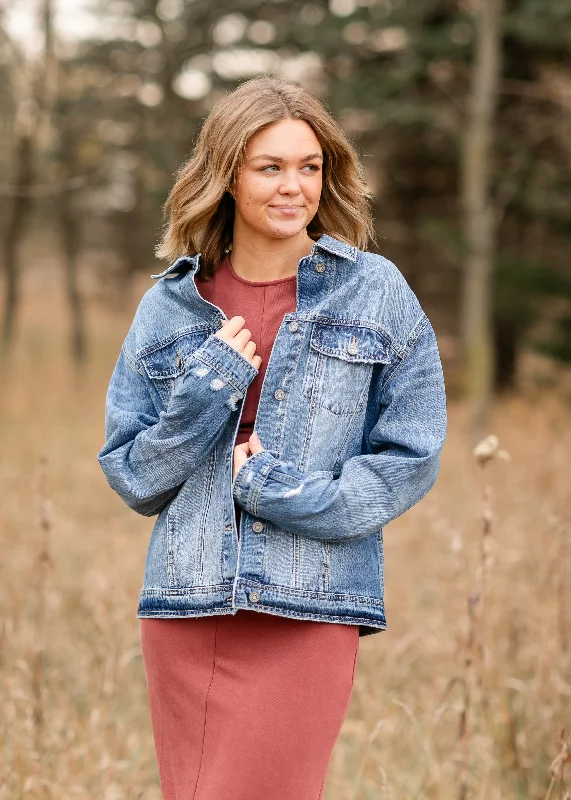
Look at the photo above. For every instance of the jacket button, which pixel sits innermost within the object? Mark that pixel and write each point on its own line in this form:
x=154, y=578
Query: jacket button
x=258, y=526
x=279, y=394
x=254, y=597
x=293, y=326
x=320, y=267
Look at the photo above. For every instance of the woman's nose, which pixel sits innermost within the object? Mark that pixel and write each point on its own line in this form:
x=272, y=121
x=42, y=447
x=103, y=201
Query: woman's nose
x=290, y=184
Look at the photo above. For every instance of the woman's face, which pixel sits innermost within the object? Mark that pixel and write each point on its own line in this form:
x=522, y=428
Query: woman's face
x=278, y=188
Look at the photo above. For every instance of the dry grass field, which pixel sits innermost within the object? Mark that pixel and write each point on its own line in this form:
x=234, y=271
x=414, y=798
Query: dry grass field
x=455, y=700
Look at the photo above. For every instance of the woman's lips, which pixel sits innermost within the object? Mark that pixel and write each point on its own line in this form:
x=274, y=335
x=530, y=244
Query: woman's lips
x=289, y=211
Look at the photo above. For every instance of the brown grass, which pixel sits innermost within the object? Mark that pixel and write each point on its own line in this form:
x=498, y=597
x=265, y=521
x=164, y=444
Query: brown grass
x=74, y=721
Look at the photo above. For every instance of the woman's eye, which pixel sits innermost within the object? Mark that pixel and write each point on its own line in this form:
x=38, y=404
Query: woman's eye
x=272, y=167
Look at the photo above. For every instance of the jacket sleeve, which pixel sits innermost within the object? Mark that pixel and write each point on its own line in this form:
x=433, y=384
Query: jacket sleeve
x=374, y=488
x=148, y=455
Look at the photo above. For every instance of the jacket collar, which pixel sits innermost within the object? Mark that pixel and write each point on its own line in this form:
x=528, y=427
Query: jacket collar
x=182, y=263
x=328, y=243
x=336, y=247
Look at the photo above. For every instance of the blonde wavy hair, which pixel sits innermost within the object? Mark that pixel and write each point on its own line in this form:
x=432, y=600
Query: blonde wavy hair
x=199, y=208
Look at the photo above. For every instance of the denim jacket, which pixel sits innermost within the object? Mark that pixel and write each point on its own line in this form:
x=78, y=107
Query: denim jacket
x=352, y=418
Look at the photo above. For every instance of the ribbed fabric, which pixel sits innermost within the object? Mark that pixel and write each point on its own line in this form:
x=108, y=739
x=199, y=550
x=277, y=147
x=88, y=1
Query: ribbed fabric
x=247, y=705
x=263, y=305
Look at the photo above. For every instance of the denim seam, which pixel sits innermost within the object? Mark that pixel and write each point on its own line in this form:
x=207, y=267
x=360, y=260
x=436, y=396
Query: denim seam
x=310, y=594
x=418, y=329
x=258, y=484
x=349, y=619
x=187, y=590
x=315, y=594
x=234, y=353
x=370, y=325
x=286, y=612
x=173, y=337
x=282, y=477
x=131, y=362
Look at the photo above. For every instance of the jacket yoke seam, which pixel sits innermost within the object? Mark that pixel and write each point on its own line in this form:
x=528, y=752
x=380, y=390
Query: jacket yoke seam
x=411, y=341
x=131, y=361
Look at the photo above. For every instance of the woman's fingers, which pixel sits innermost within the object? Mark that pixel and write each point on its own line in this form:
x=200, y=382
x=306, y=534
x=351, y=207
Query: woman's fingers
x=241, y=453
x=255, y=443
x=235, y=334
x=250, y=349
x=230, y=328
x=242, y=338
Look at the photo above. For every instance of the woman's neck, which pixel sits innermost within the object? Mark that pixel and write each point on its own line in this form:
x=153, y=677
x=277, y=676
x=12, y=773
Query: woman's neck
x=265, y=259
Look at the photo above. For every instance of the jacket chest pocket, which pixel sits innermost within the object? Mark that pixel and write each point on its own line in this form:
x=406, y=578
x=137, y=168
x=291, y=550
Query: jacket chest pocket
x=340, y=365
x=166, y=362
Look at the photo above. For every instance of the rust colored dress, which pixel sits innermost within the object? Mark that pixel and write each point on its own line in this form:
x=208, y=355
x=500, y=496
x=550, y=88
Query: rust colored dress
x=247, y=704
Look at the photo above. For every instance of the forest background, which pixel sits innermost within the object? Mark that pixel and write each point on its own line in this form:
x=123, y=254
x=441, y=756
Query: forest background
x=460, y=111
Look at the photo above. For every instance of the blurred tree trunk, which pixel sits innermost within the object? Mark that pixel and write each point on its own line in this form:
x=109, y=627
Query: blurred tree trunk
x=68, y=216
x=71, y=234
x=479, y=216
x=19, y=207
x=33, y=100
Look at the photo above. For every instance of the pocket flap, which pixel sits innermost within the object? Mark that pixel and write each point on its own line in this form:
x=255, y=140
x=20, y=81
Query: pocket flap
x=351, y=342
x=169, y=360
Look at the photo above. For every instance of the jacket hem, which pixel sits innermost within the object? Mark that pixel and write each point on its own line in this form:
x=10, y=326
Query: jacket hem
x=168, y=603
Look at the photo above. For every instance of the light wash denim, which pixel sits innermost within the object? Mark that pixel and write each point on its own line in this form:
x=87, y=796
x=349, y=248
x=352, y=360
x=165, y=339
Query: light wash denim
x=352, y=416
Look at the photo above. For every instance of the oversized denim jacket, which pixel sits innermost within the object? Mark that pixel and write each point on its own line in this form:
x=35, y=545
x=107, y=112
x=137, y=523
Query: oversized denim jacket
x=352, y=418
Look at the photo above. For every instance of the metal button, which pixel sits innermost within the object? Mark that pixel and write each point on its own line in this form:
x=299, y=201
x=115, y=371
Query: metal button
x=293, y=326
x=279, y=394
x=258, y=526
x=320, y=267
x=254, y=597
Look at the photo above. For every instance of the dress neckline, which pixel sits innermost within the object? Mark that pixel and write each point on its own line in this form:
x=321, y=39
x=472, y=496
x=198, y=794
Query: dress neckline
x=228, y=263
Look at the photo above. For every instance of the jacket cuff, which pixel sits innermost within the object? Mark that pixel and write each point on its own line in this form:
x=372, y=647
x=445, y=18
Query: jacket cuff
x=250, y=480
x=226, y=360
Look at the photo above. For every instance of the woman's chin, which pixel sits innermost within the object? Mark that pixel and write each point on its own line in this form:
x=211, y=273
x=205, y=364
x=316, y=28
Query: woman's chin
x=286, y=230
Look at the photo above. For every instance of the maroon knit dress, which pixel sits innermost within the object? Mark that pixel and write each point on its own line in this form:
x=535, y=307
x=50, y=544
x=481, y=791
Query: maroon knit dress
x=247, y=704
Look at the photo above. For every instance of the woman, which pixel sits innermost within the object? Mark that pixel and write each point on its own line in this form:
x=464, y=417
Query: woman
x=272, y=486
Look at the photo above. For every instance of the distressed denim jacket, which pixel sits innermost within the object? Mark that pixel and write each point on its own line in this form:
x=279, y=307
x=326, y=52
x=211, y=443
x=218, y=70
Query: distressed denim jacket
x=352, y=418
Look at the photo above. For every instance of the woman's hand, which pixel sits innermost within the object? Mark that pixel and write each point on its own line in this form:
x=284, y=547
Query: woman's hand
x=238, y=337
x=242, y=451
